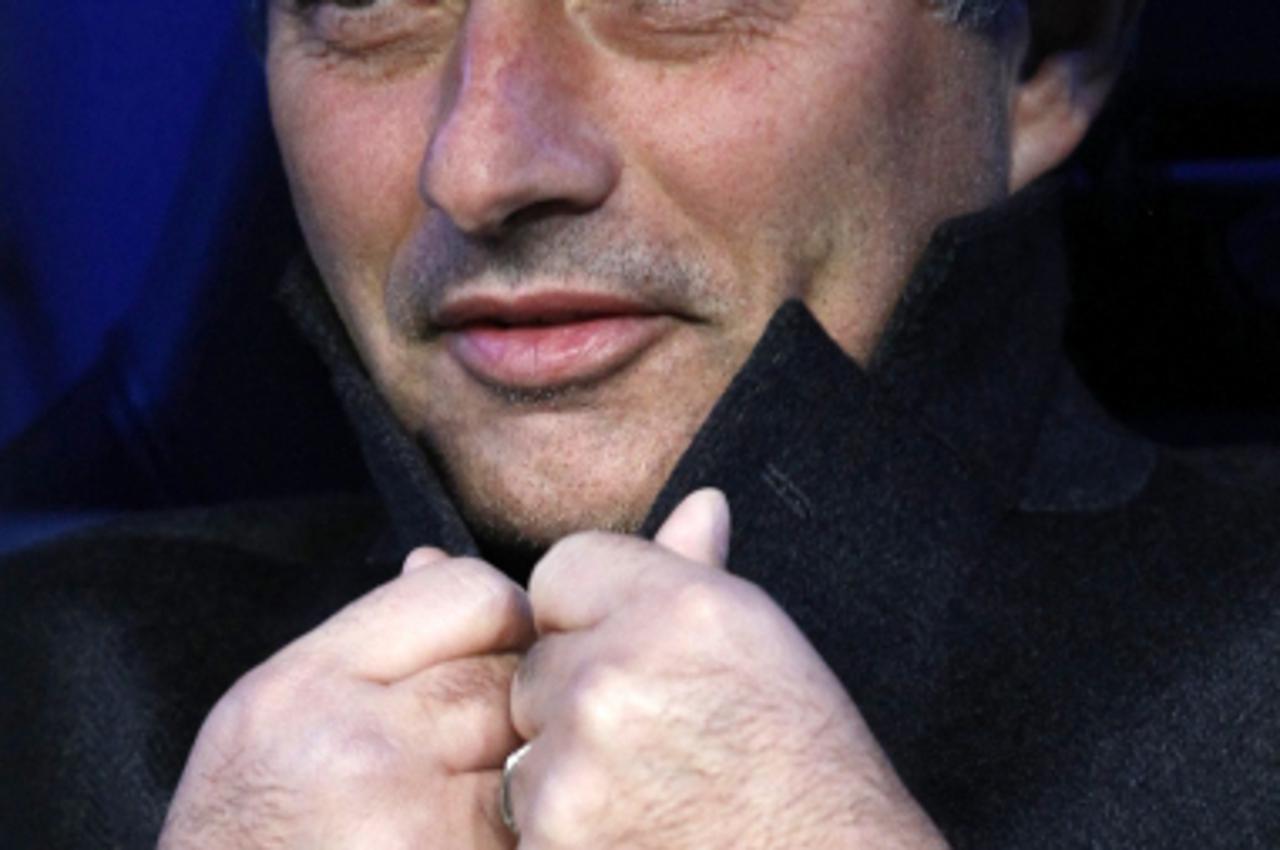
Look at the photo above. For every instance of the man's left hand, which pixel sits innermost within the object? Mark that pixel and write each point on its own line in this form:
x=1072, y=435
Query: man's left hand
x=672, y=705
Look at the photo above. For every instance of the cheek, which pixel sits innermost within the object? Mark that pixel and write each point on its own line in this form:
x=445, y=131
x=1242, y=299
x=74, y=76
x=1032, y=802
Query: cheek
x=716, y=151
x=777, y=141
x=352, y=153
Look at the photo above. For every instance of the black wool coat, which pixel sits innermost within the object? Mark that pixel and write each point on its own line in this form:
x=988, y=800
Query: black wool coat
x=1062, y=635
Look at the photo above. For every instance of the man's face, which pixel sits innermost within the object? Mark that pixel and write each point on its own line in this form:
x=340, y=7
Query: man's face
x=556, y=228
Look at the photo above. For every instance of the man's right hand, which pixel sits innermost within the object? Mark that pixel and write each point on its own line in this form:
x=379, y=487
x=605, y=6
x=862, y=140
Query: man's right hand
x=385, y=727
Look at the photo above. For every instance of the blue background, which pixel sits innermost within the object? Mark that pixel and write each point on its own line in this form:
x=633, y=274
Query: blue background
x=126, y=127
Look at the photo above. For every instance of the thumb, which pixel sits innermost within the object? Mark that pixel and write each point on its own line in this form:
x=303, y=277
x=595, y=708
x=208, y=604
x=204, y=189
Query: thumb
x=698, y=529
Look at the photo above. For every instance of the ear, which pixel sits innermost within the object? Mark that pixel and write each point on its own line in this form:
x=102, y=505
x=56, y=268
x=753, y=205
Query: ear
x=1073, y=53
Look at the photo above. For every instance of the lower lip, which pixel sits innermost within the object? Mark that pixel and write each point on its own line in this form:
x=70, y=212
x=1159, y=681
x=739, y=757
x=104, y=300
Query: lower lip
x=535, y=357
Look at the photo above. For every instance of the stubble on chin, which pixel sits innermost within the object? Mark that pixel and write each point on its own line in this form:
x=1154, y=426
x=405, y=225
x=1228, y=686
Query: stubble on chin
x=588, y=479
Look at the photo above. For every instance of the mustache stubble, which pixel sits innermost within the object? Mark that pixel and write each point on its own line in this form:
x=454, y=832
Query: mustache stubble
x=613, y=258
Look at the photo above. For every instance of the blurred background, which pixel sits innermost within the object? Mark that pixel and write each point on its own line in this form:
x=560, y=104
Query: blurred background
x=144, y=224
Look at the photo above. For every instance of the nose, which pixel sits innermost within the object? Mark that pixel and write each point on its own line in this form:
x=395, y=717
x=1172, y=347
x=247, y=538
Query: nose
x=511, y=134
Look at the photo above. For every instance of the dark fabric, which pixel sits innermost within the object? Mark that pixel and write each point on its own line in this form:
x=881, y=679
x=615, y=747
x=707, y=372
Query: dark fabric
x=115, y=643
x=1062, y=635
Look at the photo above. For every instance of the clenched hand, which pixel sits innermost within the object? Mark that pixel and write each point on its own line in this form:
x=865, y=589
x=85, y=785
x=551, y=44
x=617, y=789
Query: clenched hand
x=671, y=705
x=383, y=728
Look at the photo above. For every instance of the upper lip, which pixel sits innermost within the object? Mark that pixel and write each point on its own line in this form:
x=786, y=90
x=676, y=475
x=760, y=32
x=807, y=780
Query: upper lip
x=537, y=308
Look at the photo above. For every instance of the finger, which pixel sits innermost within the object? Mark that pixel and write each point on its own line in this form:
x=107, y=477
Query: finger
x=488, y=831
x=542, y=680
x=585, y=576
x=698, y=529
x=522, y=789
x=452, y=609
x=585, y=682
x=462, y=707
x=561, y=796
x=424, y=556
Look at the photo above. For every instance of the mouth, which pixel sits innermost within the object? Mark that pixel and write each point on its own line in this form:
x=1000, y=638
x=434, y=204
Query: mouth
x=548, y=341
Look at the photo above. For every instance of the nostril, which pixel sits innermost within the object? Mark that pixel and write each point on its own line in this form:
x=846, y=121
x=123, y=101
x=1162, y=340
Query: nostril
x=491, y=186
x=535, y=213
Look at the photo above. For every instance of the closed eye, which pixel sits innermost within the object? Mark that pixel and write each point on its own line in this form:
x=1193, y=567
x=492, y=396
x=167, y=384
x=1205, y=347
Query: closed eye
x=409, y=32
x=678, y=29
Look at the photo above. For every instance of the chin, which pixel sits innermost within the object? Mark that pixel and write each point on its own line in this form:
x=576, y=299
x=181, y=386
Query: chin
x=531, y=505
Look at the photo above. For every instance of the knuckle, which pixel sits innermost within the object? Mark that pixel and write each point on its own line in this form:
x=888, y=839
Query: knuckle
x=475, y=581
x=566, y=554
x=466, y=573
x=700, y=606
x=354, y=754
x=493, y=598
x=293, y=720
x=462, y=579
x=583, y=544
x=603, y=704
x=565, y=810
x=257, y=702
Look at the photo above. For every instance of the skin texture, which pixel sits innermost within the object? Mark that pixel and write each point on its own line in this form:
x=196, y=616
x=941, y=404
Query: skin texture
x=705, y=159
x=806, y=148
